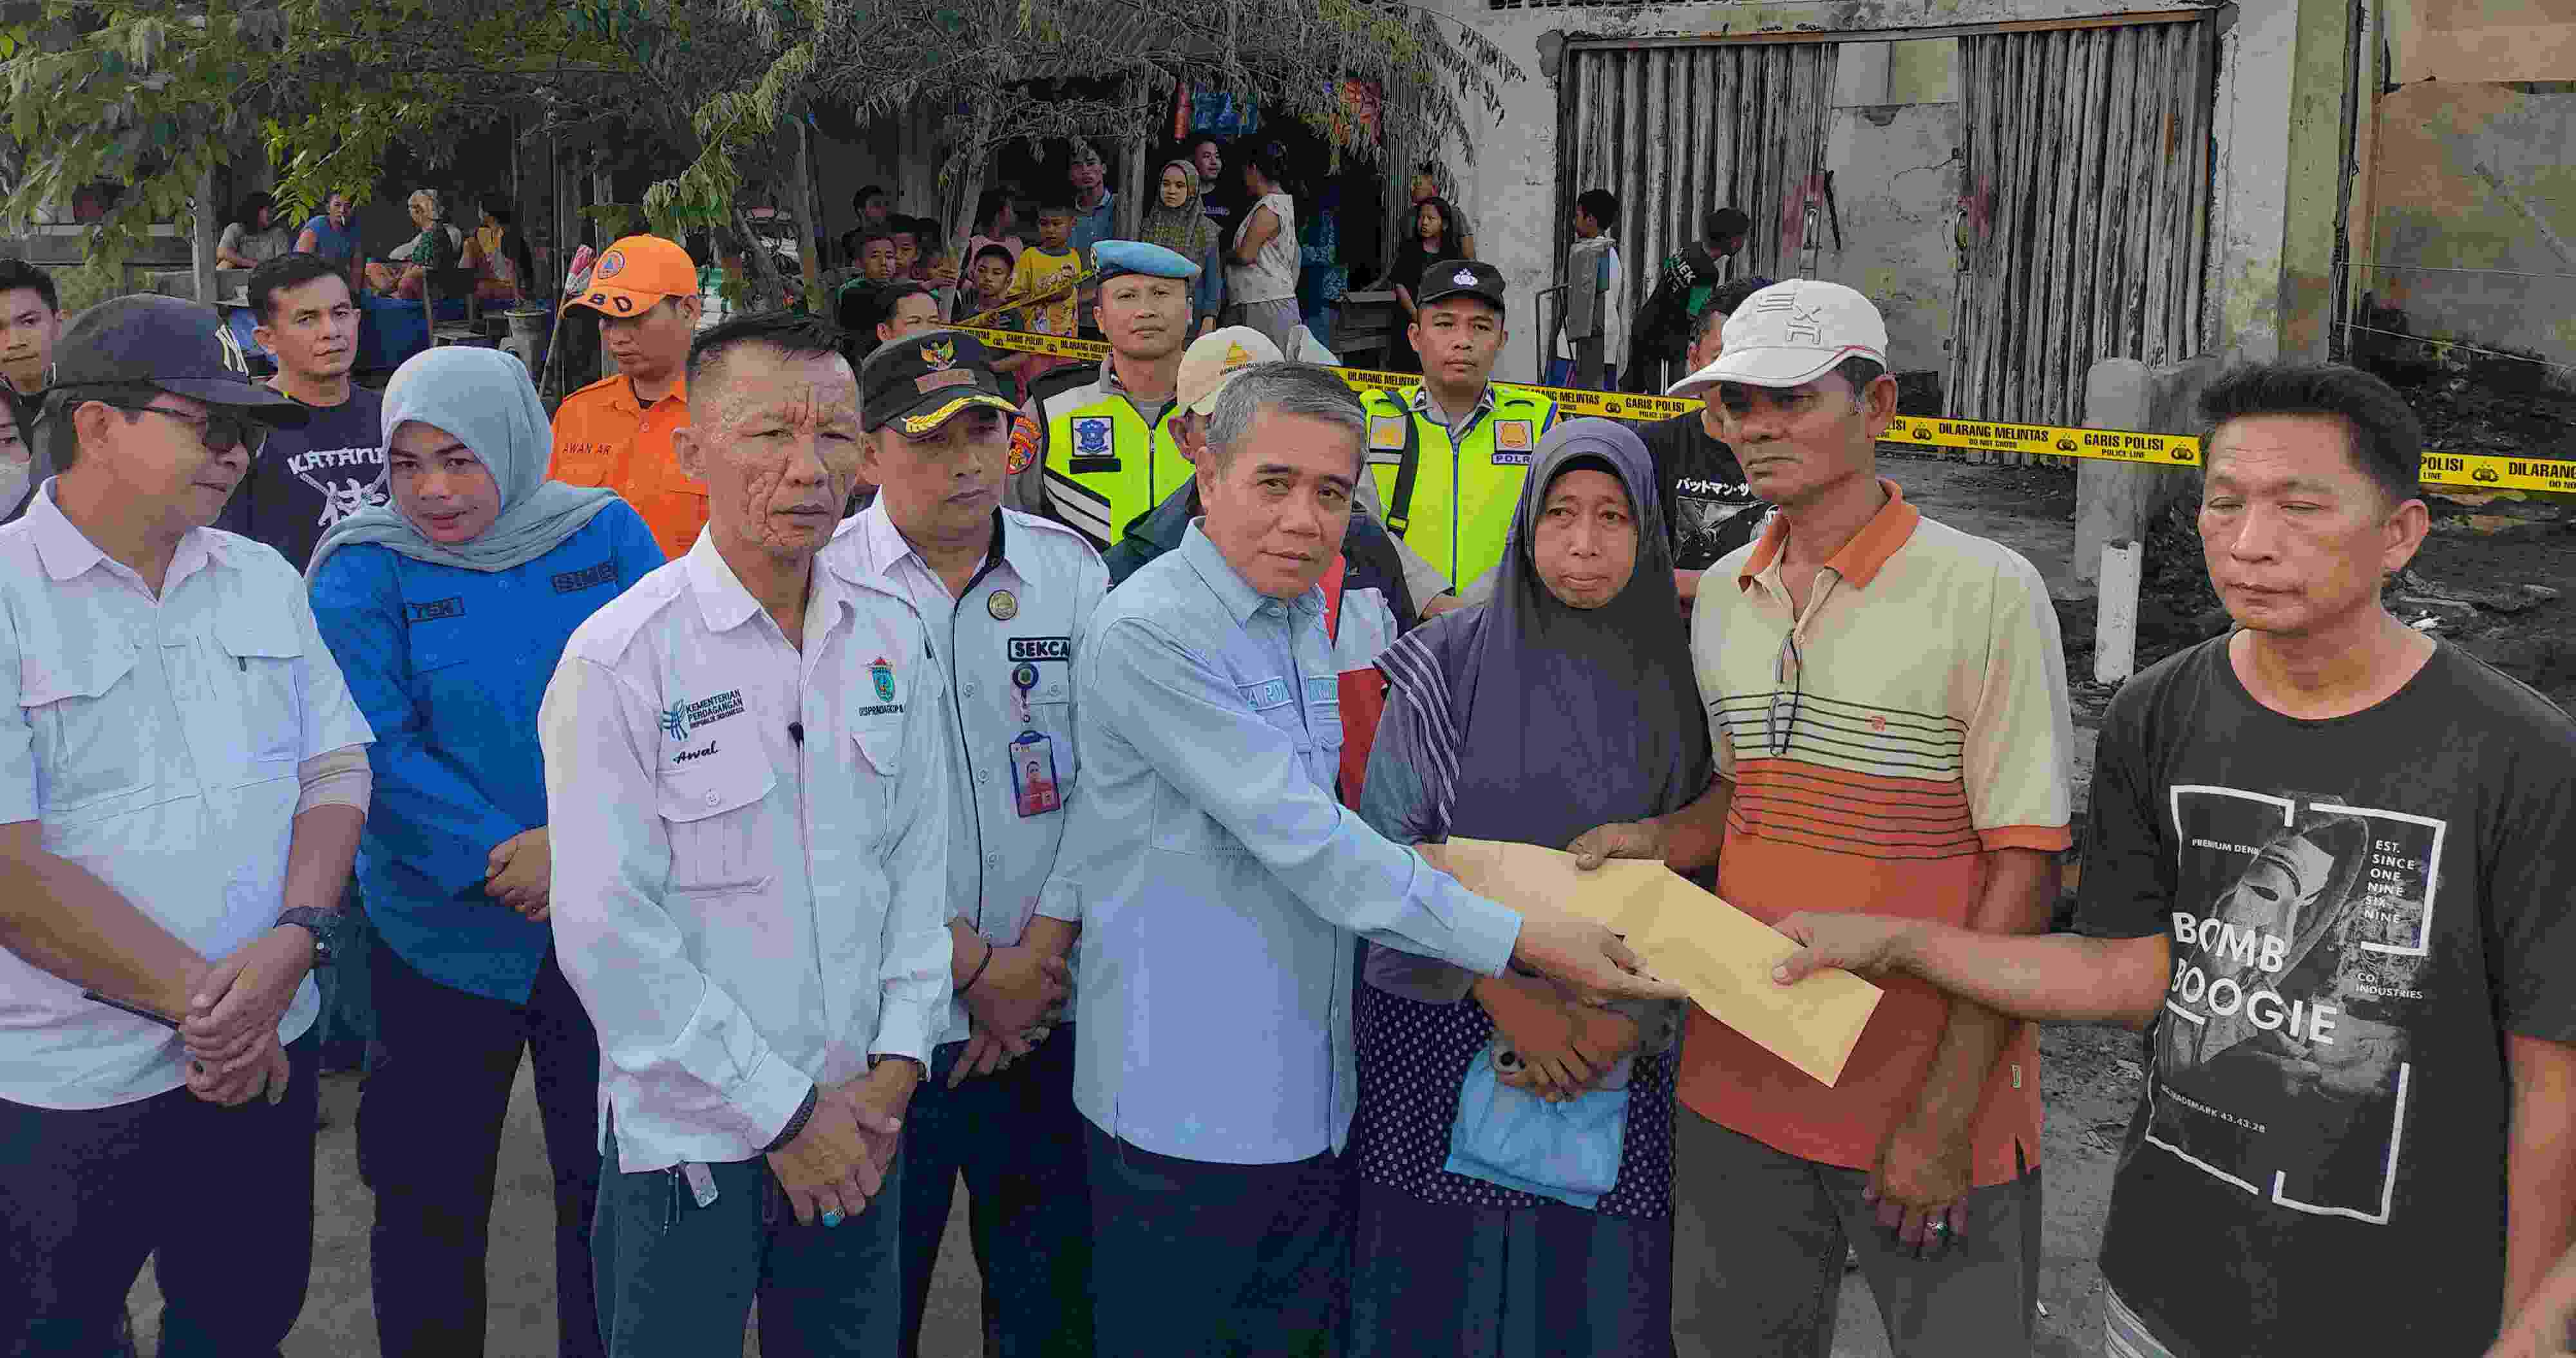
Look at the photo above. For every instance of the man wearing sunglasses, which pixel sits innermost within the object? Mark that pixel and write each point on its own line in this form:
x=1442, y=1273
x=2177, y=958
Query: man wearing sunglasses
x=1888, y=704
x=174, y=741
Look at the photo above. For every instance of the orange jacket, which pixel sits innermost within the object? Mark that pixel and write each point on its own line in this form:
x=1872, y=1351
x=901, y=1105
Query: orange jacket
x=603, y=437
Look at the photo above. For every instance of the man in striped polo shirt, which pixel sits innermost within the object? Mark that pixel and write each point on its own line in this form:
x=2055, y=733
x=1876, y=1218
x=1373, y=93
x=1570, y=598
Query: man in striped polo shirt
x=1888, y=703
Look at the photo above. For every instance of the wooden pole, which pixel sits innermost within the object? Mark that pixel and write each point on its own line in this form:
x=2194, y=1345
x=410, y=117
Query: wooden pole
x=806, y=202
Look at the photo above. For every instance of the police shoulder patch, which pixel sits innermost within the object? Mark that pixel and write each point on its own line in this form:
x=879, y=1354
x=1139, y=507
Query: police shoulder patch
x=1024, y=445
x=1387, y=431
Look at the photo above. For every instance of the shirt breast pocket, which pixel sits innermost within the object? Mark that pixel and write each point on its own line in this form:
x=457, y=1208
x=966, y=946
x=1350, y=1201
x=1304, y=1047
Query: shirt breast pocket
x=91, y=755
x=261, y=652
x=879, y=764
x=718, y=837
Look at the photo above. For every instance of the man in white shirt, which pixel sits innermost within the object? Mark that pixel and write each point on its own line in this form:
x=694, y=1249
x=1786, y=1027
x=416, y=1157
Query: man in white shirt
x=747, y=782
x=1005, y=594
x=176, y=742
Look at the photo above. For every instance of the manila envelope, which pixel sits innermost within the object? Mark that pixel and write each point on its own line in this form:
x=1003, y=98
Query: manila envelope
x=1720, y=955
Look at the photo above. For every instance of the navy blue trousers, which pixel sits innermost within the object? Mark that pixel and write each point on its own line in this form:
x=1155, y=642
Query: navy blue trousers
x=223, y=1196
x=1199, y=1260
x=429, y=1144
x=1017, y=1140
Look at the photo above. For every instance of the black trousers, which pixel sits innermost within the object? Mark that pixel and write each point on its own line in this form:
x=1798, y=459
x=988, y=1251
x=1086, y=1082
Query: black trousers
x=429, y=1138
x=1217, y=1261
x=223, y=1196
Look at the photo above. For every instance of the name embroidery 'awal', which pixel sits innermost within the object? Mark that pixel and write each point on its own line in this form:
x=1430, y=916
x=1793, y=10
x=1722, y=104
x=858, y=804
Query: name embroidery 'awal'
x=685, y=756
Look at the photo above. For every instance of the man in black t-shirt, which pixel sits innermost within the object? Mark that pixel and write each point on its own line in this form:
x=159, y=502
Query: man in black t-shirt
x=2328, y=870
x=305, y=480
x=1708, y=507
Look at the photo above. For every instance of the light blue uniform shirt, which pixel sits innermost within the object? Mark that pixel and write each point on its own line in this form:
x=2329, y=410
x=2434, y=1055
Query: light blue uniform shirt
x=1022, y=611
x=1219, y=883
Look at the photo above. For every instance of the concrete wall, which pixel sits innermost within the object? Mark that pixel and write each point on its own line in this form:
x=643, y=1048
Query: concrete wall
x=1507, y=180
x=1893, y=148
x=2474, y=174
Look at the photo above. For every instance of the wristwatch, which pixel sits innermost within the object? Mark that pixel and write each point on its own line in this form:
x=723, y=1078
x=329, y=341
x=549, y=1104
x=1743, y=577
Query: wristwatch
x=324, y=925
x=919, y=1071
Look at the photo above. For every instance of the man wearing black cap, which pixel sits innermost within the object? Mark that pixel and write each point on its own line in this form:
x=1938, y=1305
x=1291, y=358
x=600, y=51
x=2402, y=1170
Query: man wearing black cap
x=1006, y=595
x=1449, y=456
x=175, y=739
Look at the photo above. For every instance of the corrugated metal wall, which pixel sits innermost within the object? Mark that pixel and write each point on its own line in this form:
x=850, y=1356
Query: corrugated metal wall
x=1678, y=131
x=2087, y=211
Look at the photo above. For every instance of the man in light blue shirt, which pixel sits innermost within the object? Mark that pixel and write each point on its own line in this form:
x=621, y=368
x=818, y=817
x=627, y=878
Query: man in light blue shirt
x=1220, y=886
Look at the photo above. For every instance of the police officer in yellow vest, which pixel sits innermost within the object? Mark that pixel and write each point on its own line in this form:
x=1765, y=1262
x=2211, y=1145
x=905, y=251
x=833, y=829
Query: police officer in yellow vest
x=1449, y=456
x=1095, y=454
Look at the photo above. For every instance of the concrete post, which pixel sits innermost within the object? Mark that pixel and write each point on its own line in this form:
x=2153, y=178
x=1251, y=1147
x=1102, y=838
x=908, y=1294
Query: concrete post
x=201, y=240
x=2113, y=501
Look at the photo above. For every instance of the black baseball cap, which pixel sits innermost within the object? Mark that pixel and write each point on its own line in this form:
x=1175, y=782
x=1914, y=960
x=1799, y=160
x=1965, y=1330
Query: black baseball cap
x=923, y=381
x=1460, y=278
x=183, y=348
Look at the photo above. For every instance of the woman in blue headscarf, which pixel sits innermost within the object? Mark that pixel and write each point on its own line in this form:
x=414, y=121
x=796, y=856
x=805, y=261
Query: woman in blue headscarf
x=1513, y=1144
x=447, y=610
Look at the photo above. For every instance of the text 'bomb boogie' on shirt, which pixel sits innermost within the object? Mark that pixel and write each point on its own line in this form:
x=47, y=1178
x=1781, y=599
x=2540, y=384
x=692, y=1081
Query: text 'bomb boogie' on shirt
x=1039, y=273
x=2353, y=905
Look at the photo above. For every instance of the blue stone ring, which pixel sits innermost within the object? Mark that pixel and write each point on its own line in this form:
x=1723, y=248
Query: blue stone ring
x=832, y=1217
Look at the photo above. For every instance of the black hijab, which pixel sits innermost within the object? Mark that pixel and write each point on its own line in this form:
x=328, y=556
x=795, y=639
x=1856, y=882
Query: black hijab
x=1566, y=718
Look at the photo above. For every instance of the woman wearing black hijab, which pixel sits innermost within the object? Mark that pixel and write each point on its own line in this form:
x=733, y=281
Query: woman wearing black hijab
x=1565, y=701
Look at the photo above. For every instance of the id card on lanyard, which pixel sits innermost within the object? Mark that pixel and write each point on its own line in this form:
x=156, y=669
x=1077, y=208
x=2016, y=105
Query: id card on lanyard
x=1031, y=756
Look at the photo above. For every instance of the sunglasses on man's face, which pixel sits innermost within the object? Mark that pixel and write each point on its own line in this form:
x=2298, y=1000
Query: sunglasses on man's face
x=220, y=433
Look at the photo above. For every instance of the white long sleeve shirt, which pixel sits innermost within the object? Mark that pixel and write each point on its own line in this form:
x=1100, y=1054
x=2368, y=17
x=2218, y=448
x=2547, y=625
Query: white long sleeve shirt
x=750, y=850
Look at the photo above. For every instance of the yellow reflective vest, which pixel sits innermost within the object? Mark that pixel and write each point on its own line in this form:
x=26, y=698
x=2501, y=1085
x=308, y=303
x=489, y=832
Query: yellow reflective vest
x=1104, y=464
x=1452, y=501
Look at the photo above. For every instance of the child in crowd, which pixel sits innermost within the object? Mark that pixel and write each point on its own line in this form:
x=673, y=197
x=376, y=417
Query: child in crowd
x=1049, y=267
x=878, y=255
x=1593, y=330
x=990, y=279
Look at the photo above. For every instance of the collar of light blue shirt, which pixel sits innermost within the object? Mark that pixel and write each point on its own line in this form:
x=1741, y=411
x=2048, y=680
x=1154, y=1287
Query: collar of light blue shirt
x=68, y=553
x=1240, y=598
x=726, y=604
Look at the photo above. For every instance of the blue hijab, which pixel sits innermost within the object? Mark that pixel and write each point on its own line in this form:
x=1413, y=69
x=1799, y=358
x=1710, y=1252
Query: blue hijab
x=484, y=398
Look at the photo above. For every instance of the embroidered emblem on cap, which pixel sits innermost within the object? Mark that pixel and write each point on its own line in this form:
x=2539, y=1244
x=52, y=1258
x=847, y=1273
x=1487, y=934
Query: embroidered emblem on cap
x=233, y=358
x=1806, y=324
x=1465, y=278
x=939, y=355
x=1236, y=356
x=610, y=264
x=1003, y=605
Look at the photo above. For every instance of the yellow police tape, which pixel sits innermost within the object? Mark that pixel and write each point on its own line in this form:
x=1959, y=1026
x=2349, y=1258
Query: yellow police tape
x=1926, y=433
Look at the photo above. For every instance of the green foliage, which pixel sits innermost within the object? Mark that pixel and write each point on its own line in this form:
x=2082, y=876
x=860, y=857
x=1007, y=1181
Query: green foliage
x=148, y=94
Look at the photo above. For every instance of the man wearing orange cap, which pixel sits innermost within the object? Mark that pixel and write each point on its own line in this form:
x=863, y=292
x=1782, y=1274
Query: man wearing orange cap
x=616, y=432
